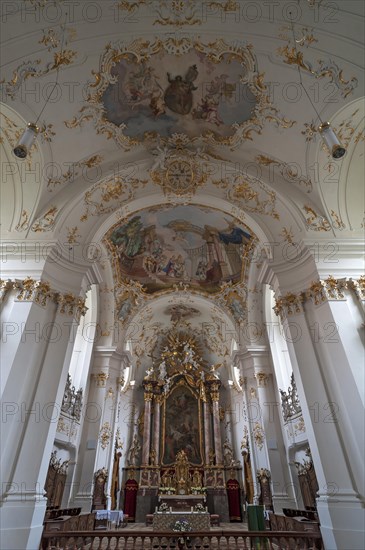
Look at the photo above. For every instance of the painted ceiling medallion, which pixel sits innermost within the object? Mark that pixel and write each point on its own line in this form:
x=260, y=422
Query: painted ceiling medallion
x=192, y=245
x=211, y=93
x=180, y=172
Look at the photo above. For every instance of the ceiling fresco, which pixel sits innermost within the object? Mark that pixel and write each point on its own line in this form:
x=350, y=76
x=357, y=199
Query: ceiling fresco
x=162, y=247
x=147, y=90
x=188, y=94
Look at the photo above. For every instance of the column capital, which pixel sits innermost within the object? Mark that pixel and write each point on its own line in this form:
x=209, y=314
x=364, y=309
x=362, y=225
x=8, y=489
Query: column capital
x=328, y=289
x=69, y=304
x=100, y=378
x=358, y=285
x=290, y=304
x=262, y=378
x=32, y=290
x=5, y=286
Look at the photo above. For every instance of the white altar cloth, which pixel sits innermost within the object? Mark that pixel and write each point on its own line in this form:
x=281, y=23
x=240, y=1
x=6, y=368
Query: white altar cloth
x=110, y=515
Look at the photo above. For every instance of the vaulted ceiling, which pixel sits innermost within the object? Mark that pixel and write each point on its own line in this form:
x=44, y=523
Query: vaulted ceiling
x=175, y=133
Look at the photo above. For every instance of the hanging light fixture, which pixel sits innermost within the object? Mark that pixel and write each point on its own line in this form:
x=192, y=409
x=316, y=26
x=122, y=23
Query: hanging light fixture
x=31, y=132
x=331, y=140
x=26, y=141
x=333, y=144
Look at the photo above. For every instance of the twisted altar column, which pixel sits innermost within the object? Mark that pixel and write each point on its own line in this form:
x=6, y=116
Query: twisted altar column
x=216, y=426
x=148, y=396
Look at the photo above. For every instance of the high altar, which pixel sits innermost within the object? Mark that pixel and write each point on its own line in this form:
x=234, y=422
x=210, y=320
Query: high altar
x=183, y=461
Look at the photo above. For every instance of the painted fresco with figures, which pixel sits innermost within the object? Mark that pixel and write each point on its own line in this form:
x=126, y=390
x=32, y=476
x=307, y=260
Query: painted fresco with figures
x=191, y=244
x=182, y=428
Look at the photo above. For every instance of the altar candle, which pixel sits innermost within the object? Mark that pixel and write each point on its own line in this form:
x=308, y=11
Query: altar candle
x=170, y=509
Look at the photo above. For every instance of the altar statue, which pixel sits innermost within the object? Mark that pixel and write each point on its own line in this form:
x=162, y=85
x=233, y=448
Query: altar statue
x=182, y=472
x=197, y=479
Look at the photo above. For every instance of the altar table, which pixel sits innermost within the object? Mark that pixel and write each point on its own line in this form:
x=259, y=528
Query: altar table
x=106, y=517
x=164, y=521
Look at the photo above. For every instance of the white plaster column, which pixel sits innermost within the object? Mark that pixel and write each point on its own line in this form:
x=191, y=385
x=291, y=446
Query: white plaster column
x=89, y=455
x=336, y=336
x=340, y=507
x=282, y=490
x=38, y=381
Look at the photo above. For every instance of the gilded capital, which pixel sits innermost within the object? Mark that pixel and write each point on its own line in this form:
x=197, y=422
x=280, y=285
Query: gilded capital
x=358, y=285
x=148, y=396
x=159, y=398
x=215, y=396
x=5, y=286
x=71, y=305
x=120, y=382
x=30, y=290
x=290, y=304
x=101, y=378
x=262, y=379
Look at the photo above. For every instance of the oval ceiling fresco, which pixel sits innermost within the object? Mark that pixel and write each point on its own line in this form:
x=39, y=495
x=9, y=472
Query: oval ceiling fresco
x=169, y=94
x=147, y=91
x=162, y=247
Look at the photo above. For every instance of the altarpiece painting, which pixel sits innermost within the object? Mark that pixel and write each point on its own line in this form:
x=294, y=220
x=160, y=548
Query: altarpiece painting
x=182, y=426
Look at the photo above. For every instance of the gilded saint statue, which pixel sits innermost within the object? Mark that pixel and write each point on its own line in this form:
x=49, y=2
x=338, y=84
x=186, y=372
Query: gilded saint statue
x=182, y=472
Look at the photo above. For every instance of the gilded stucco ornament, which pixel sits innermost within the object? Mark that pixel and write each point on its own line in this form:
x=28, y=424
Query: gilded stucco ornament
x=35, y=69
x=101, y=379
x=358, y=285
x=107, y=195
x=288, y=235
x=258, y=435
x=46, y=222
x=69, y=304
x=180, y=171
x=235, y=299
x=5, y=286
x=23, y=223
x=291, y=55
x=31, y=290
x=251, y=195
x=137, y=68
x=105, y=435
x=287, y=171
x=290, y=304
x=72, y=235
x=315, y=221
x=176, y=13
x=74, y=171
x=262, y=379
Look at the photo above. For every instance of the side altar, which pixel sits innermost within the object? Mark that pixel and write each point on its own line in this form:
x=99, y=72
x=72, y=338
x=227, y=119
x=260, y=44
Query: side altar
x=183, y=461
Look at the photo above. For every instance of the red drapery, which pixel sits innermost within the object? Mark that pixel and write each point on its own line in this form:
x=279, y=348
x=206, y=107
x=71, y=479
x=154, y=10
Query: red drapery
x=130, y=499
x=234, y=501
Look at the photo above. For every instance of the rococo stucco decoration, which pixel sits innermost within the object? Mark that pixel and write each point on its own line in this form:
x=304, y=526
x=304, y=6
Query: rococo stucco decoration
x=212, y=93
